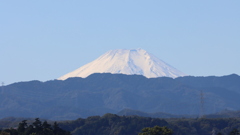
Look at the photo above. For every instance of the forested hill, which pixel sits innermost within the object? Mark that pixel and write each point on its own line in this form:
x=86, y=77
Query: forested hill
x=111, y=124
x=110, y=93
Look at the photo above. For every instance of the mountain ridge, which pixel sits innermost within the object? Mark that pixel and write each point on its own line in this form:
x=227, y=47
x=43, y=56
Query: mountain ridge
x=102, y=93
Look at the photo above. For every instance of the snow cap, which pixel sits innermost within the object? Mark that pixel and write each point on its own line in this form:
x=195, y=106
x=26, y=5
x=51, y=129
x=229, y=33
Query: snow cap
x=125, y=61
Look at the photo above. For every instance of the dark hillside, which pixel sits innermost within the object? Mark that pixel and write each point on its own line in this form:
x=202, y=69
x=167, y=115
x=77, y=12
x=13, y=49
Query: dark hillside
x=110, y=93
x=112, y=124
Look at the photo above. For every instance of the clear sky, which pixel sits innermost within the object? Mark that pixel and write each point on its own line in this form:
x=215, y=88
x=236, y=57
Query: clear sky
x=45, y=39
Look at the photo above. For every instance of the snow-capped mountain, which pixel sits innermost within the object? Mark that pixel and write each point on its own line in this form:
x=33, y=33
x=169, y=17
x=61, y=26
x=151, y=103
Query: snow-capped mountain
x=123, y=61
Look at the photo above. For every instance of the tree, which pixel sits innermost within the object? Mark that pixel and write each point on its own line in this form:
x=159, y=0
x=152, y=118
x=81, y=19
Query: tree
x=58, y=131
x=47, y=128
x=234, y=132
x=11, y=131
x=36, y=128
x=4, y=133
x=37, y=124
x=156, y=130
x=22, y=126
x=29, y=130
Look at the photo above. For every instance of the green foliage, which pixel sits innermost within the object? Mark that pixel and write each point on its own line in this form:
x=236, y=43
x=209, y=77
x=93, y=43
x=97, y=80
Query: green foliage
x=22, y=126
x=4, y=133
x=112, y=124
x=37, y=128
x=156, y=130
x=234, y=132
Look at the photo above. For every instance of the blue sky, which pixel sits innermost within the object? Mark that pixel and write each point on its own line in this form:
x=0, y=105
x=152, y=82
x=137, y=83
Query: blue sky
x=43, y=40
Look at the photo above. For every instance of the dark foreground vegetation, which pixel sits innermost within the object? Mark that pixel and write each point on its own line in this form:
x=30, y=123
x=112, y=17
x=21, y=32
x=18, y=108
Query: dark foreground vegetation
x=111, y=124
x=36, y=128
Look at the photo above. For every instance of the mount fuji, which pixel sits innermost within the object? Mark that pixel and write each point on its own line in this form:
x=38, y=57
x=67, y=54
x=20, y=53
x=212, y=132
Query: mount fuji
x=130, y=62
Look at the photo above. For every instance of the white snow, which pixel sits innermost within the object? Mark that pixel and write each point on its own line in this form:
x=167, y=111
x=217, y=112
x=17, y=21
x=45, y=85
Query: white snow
x=136, y=61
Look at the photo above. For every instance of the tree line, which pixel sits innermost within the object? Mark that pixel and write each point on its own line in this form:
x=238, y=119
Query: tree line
x=112, y=124
x=36, y=128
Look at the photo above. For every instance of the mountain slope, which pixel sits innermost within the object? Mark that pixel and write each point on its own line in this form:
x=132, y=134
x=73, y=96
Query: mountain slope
x=123, y=61
x=110, y=93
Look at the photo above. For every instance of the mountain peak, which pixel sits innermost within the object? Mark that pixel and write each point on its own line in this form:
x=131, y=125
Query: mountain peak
x=124, y=61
